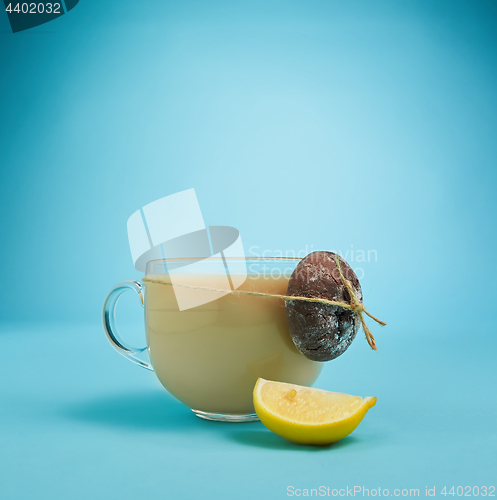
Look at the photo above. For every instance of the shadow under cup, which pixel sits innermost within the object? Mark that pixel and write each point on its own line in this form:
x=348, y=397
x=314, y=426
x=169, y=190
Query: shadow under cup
x=209, y=339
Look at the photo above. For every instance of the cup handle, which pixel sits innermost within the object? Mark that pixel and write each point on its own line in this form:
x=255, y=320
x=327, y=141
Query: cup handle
x=137, y=355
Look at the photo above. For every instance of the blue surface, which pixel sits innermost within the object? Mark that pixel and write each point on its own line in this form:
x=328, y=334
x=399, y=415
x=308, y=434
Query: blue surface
x=350, y=126
x=78, y=421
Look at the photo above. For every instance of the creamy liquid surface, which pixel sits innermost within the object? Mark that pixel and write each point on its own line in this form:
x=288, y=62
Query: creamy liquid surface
x=210, y=356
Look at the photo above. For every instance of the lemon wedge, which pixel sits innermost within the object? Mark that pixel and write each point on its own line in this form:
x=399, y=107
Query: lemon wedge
x=306, y=415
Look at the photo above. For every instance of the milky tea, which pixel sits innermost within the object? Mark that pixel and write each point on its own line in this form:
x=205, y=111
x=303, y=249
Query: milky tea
x=210, y=356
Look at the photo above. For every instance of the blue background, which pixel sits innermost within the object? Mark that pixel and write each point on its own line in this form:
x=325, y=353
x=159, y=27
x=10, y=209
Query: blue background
x=306, y=125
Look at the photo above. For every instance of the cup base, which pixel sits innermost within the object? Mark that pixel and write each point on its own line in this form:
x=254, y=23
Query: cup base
x=223, y=417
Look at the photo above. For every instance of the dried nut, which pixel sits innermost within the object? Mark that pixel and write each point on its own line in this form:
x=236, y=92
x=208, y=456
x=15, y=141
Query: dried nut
x=322, y=331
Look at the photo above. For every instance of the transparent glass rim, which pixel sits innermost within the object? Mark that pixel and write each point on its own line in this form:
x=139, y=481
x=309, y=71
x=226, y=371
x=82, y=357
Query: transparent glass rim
x=181, y=259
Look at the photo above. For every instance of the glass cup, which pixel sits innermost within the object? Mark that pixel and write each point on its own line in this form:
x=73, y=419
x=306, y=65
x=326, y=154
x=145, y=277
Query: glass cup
x=209, y=356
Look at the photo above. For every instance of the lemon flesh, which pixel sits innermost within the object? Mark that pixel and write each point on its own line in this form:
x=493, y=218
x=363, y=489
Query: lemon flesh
x=306, y=415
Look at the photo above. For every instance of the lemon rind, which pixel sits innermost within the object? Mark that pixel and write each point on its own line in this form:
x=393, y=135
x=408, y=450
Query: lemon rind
x=367, y=402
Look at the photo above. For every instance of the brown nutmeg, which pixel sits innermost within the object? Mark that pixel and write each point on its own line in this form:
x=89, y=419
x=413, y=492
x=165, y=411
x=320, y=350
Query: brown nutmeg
x=322, y=331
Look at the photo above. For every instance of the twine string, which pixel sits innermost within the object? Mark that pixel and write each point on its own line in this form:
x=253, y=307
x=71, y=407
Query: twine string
x=359, y=307
x=355, y=305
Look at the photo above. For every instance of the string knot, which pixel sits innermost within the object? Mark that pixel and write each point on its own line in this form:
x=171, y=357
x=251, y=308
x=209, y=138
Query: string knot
x=358, y=307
